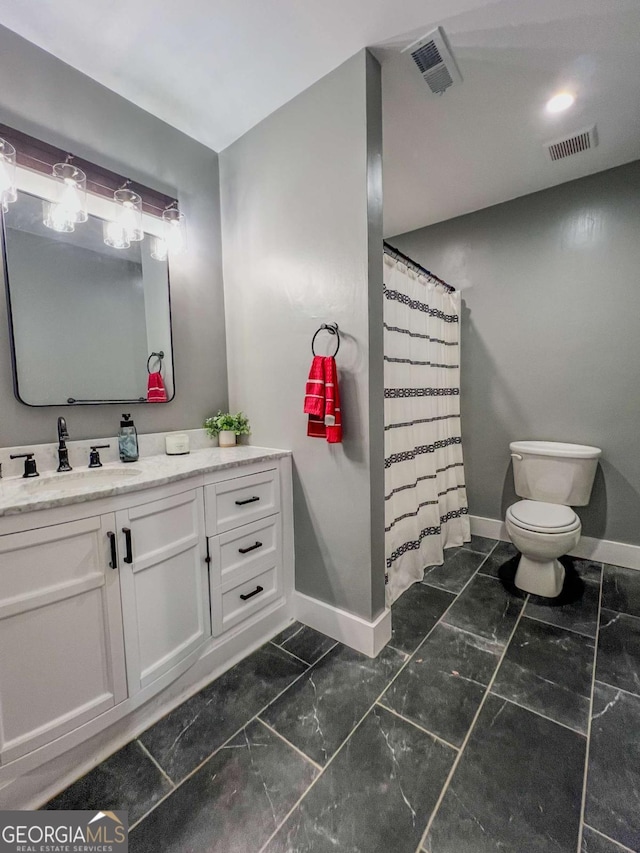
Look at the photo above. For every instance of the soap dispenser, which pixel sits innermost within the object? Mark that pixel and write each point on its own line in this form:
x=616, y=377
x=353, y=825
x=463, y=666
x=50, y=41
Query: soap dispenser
x=128, y=440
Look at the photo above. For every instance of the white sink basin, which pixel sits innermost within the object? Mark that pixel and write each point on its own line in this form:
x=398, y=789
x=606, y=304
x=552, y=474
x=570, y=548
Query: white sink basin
x=72, y=479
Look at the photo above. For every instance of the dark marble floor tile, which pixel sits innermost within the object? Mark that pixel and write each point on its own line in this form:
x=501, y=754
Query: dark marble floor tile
x=485, y=608
x=621, y=589
x=308, y=644
x=613, y=782
x=375, y=797
x=288, y=632
x=619, y=650
x=549, y=670
x=518, y=787
x=317, y=713
x=503, y=552
x=580, y=616
x=415, y=613
x=233, y=803
x=443, y=684
x=593, y=842
x=480, y=544
x=127, y=780
x=190, y=733
x=456, y=570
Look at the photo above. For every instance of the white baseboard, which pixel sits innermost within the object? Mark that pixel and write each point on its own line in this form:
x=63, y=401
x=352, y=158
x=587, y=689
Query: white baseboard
x=354, y=631
x=588, y=548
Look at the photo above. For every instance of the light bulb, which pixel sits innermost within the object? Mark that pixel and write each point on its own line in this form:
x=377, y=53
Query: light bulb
x=560, y=102
x=69, y=205
x=128, y=213
x=175, y=233
x=57, y=218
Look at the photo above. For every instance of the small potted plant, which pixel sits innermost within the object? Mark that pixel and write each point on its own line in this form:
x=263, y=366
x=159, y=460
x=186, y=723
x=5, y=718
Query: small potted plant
x=227, y=426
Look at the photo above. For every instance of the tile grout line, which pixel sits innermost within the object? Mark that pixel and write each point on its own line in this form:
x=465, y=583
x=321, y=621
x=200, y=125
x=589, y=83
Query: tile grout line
x=417, y=726
x=291, y=654
x=230, y=738
x=562, y=627
x=164, y=772
x=288, y=743
x=409, y=657
x=623, y=847
x=619, y=690
x=583, y=801
x=540, y=714
x=458, y=758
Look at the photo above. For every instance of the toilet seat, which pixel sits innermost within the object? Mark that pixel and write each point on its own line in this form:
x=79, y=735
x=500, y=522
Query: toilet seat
x=541, y=517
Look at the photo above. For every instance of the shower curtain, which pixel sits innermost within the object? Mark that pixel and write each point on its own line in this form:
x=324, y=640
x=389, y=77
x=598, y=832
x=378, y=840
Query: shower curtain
x=425, y=495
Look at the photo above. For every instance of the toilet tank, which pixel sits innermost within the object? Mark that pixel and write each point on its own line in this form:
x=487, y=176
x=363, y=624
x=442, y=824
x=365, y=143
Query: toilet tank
x=554, y=472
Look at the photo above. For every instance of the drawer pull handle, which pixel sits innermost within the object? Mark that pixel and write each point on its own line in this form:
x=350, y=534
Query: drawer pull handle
x=251, y=594
x=250, y=548
x=128, y=557
x=247, y=501
x=113, y=564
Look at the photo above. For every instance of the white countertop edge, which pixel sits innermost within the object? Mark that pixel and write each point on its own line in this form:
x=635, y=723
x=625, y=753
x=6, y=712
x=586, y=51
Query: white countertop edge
x=157, y=471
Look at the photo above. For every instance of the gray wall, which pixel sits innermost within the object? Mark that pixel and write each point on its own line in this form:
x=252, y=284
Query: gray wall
x=301, y=224
x=550, y=336
x=54, y=102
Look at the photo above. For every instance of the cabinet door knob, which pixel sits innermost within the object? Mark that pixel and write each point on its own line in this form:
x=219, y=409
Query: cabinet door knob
x=113, y=564
x=128, y=557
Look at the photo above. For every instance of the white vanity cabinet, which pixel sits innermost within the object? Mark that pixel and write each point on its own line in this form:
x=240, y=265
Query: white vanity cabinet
x=164, y=582
x=245, y=546
x=62, y=657
x=112, y=609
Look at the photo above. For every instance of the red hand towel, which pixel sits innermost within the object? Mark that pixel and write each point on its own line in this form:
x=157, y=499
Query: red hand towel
x=156, y=392
x=332, y=412
x=322, y=400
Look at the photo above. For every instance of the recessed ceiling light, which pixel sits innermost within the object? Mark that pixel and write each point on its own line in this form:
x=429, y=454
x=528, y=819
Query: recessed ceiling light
x=561, y=101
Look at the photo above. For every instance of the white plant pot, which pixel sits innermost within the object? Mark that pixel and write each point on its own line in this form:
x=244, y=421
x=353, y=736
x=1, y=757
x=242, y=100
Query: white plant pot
x=227, y=438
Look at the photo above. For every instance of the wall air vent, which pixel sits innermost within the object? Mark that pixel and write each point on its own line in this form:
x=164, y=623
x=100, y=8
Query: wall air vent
x=581, y=140
x=432, y=54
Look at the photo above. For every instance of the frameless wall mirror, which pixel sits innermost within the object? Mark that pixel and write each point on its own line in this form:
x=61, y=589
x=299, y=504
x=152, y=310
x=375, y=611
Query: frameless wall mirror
x=84, y=317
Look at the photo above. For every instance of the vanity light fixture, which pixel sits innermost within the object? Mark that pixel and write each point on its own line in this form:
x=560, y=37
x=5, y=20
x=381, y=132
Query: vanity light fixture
x=175, y=230
x=8, y=190
x=560, y=102
x=69, y=207
x=128, y=213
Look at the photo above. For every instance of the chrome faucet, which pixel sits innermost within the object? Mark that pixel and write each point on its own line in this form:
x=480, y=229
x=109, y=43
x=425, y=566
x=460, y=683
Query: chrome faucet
x=63, y=453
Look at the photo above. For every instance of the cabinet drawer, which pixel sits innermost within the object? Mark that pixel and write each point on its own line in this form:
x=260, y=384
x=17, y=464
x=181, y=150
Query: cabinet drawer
x=232, y=604
x=234, y=502
x=252, y=545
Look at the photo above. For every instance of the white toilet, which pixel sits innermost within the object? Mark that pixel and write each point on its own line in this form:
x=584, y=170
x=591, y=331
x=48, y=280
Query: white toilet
x=552, y=477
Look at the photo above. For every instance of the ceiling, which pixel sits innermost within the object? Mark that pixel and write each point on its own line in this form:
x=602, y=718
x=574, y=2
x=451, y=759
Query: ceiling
x=215, y=68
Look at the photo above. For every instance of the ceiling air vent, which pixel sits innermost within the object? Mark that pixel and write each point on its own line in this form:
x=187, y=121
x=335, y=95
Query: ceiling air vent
x=432, y=54
x=581, y=140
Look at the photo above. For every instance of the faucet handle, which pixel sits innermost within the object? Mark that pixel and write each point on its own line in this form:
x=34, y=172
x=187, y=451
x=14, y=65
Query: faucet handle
x=94, y=456
x=30, y=469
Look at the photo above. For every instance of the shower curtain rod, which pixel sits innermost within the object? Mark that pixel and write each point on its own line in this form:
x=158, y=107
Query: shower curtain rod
x=406, y=260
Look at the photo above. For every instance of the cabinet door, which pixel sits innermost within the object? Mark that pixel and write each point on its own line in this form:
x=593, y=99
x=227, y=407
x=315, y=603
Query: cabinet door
x=61, y=643
x=165, y=600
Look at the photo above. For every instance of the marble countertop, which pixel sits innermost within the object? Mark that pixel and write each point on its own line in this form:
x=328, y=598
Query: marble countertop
x=50, y=489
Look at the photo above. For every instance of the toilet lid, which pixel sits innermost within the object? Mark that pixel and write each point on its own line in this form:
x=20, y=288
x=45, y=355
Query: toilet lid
x=540, y=516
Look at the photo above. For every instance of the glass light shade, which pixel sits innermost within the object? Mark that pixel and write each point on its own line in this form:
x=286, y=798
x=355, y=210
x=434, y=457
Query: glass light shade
x=55, y=217
x=115, y=235
x=8, y=190
x=175, y=231
x=128, y=214
x=159, y=249
x=71, y=195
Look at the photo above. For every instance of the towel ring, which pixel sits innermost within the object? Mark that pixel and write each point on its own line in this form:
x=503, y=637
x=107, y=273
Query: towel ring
x=159, y=356
x=332, y=328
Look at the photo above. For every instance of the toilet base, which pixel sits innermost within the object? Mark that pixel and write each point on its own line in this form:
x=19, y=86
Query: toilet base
x=544, y=578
